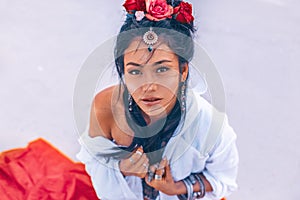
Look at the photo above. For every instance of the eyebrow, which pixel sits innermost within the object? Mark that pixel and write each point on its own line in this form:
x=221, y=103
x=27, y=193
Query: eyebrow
x=140, y=65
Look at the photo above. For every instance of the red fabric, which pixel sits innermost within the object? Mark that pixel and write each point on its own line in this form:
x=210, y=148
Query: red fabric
x=41, y=172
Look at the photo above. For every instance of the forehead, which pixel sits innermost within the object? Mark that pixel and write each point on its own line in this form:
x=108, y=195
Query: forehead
x=138, y=51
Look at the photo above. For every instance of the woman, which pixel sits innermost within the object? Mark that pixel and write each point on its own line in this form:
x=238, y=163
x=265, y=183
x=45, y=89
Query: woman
x=151, y=137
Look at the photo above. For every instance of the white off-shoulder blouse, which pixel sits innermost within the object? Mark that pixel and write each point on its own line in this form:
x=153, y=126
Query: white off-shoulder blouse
x=203, y=142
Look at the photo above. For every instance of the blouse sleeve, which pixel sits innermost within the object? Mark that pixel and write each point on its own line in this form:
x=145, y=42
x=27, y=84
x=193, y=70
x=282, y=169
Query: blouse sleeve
x=106, y=177
x=222, y=165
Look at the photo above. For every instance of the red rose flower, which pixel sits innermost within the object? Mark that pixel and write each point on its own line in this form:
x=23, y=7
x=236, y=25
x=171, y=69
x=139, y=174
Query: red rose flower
x=184, y=12
x=158, y=10
x=135, y=5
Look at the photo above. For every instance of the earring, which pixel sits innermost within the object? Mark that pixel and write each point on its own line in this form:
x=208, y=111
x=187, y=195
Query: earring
x=183, y=96
x=129, y=102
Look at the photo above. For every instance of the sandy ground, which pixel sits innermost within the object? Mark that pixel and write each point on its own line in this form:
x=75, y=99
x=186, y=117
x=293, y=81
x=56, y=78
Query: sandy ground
x=254, y=44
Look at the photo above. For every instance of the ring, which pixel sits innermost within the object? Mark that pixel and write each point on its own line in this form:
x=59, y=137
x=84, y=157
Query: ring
x=150, y=176
x=162, y=170
x=145, y=165
x=158, y=177
x=138, y=152
x=131, y=160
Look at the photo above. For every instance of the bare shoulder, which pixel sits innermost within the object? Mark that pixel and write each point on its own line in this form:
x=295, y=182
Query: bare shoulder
x=101, y=116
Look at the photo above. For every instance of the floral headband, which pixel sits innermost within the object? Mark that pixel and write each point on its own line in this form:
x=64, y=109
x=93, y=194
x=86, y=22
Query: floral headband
x=157, y=10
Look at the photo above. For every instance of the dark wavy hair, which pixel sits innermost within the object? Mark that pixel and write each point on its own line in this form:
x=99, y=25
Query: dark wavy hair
x=178, y=36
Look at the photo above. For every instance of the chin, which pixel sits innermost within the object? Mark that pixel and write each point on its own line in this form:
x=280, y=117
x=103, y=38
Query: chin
x=158, y=112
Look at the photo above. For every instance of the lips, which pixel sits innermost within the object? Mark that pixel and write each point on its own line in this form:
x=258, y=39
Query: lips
x=150, y=101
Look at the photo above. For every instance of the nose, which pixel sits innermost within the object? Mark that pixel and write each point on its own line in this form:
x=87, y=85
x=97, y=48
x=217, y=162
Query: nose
x=150, y=83
x=149, y=87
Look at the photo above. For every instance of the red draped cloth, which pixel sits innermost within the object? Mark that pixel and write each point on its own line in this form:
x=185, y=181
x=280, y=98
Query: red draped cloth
x=41, y=172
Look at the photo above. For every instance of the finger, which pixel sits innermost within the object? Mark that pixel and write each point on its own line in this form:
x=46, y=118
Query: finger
x=162, y=164
x=143, y=163
x=151, y=173
x=136, y=155
x=159, y=173
x=142, y=159
x=140, y=150
x=168, y=173
x=140, y=167
x=148, y=178
x=161, y=168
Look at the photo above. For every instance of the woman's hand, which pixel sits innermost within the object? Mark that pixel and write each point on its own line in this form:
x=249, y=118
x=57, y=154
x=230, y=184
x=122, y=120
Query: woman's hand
x=136, y=165
x=162, y=179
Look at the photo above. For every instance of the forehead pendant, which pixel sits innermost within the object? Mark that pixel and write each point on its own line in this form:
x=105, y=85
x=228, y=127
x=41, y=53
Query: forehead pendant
x=150, y=38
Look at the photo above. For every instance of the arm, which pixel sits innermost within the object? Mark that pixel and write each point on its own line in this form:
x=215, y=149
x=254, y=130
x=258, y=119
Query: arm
x=222, y=165
x=181, y=188
x=108, y=181
x=219, y=172
x=101, y=123
x=167, y=184
x=107, y=175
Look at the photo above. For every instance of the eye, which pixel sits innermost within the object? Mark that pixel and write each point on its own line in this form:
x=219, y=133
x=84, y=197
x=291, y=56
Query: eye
x=134, y=72
x=162, y=69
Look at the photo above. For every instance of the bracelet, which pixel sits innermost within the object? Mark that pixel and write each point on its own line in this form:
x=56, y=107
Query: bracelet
x=189, y=187
x=189, y=182
x=193, y=179
x=201, y=193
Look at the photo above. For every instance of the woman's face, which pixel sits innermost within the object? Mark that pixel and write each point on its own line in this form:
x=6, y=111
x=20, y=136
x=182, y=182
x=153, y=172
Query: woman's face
x=152, y=78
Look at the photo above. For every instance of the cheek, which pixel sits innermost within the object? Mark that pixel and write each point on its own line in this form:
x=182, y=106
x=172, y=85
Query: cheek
x=132, y=84
x=169, y=83
x=169, y=90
